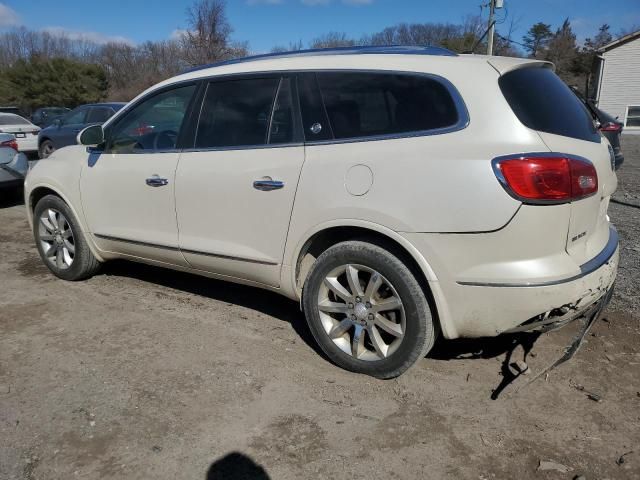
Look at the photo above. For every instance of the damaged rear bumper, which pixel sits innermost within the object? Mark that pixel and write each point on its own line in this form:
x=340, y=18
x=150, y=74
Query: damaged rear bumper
x=489, y=309
x=559, y=317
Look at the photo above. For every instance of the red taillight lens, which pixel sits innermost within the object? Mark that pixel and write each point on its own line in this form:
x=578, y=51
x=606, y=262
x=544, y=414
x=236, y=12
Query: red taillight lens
x=611, y=127
x=547, y=179
x=10, y=143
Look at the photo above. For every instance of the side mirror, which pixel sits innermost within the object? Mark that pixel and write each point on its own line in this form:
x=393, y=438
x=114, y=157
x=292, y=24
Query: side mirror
x=91, y=136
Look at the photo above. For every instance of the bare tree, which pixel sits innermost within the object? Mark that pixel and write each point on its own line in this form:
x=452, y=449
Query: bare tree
x=332, y=40
x=208, y=38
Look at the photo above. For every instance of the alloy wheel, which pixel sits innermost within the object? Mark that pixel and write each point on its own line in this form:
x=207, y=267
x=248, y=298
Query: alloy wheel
x=56, y=239
x=361, y=312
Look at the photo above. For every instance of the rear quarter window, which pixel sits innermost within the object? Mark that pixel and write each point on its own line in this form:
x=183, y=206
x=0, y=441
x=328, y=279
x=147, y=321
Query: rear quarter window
x=543, y=102
x=362, y=104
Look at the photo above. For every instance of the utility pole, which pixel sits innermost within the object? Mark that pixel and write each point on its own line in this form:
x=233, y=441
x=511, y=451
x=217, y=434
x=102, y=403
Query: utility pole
x=492, y=26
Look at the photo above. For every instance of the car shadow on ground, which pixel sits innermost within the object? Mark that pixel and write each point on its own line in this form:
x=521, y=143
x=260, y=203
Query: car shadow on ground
x=236, y=466
x=277, y=306
x=11, y=197
x=513, y=365
x=264, y=301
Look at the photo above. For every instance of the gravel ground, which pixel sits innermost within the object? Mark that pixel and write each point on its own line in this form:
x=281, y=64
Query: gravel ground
x=144, y=373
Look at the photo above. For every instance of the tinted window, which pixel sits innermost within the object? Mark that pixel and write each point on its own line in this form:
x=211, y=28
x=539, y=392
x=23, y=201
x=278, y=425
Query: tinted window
x=314, y=119
x=153, y=124
x=283, y=119
x=236, y=113
x=543, y=102
x=10, y=119
x=75, y=117
x=368, y=104
x=99, y=114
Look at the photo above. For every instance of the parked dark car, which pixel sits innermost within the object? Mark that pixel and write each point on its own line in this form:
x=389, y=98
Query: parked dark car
x=610, y=126
x=63, y=131
x=43, y=117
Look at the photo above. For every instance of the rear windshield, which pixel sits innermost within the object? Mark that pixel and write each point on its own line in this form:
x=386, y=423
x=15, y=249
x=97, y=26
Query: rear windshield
x=10, y=119
x=543, y=102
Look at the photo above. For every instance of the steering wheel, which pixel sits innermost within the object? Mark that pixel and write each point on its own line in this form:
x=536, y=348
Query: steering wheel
x=165, y=139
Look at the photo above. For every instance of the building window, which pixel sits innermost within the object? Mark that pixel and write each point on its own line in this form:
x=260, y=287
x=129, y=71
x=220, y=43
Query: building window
x=633, y=116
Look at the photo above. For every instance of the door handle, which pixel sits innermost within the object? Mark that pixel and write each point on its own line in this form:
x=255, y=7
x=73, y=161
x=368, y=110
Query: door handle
x=267, y=184
x=156, y=181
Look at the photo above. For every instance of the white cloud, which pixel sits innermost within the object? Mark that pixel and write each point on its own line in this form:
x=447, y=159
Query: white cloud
x=95, y=37
x=177, y=34
x=8, y=17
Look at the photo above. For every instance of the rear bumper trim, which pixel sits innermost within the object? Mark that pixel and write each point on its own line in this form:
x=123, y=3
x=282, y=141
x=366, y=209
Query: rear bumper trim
x=585, y=269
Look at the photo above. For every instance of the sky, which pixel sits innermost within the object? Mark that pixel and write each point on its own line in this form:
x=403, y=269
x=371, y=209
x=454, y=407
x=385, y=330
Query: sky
x=267, y=23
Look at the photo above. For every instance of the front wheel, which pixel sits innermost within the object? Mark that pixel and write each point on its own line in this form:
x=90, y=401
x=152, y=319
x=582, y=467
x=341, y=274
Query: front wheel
x=46, y=149
x=60, y=240
x=367, y=311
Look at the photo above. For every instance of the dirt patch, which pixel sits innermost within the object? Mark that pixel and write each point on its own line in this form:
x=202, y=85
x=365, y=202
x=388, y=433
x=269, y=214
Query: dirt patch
x=32, y=266
x=185, y=377
x=293, y=439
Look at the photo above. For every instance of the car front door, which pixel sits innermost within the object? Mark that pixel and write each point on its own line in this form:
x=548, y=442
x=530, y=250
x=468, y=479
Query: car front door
x=128, y=188
x=235, y=188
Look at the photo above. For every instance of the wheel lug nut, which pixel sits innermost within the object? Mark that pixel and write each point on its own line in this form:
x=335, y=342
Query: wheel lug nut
x=351, y=306
x=354, y=318
x=358, y=299
x=371, y=317
x=368, y=305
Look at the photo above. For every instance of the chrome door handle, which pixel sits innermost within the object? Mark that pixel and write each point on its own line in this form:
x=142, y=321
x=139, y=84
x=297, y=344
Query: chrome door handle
x=156, y=181
x=267, y=184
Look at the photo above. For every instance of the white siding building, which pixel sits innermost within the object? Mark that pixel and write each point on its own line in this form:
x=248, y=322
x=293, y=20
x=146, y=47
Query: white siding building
x=618, y=73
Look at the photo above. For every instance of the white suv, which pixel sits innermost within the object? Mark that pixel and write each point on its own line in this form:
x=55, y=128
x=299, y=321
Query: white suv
x=398, y=193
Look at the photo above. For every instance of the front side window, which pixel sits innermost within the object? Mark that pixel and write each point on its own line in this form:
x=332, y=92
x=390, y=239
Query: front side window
x=238, y=113
x=361, y=104
x=633, y=116
x=153, y=124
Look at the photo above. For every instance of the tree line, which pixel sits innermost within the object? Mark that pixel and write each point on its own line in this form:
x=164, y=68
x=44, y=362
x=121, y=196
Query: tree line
x=40, y=68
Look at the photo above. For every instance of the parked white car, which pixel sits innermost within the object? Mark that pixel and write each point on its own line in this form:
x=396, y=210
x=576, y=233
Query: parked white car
x=13, y=165
x=397, y=193
x=26, y=133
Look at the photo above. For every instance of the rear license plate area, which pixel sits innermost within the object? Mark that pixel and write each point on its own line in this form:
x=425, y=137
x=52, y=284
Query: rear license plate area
x=20, y=135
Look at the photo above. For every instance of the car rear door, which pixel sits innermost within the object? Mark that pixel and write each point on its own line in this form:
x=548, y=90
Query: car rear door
x=235, y=188
x=99, y=115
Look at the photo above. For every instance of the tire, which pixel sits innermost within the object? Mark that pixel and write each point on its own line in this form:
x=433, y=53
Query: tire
x=61, y=242
x=389, y=345
x=46, y=149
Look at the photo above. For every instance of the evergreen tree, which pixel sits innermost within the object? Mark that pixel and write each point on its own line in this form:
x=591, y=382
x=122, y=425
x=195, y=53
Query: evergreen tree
x=537, y=38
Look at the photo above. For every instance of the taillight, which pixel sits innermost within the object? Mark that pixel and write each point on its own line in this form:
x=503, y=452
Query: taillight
x=551, y=178
x=10, y=143
x=611, y=127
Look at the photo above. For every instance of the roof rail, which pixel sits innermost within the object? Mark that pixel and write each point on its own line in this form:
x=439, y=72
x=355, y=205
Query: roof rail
x=364, y=50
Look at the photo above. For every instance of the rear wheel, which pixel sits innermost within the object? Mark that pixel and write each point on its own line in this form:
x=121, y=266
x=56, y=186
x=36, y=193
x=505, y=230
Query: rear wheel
x=46, y=149
x=367, y=311
x=60, y=241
